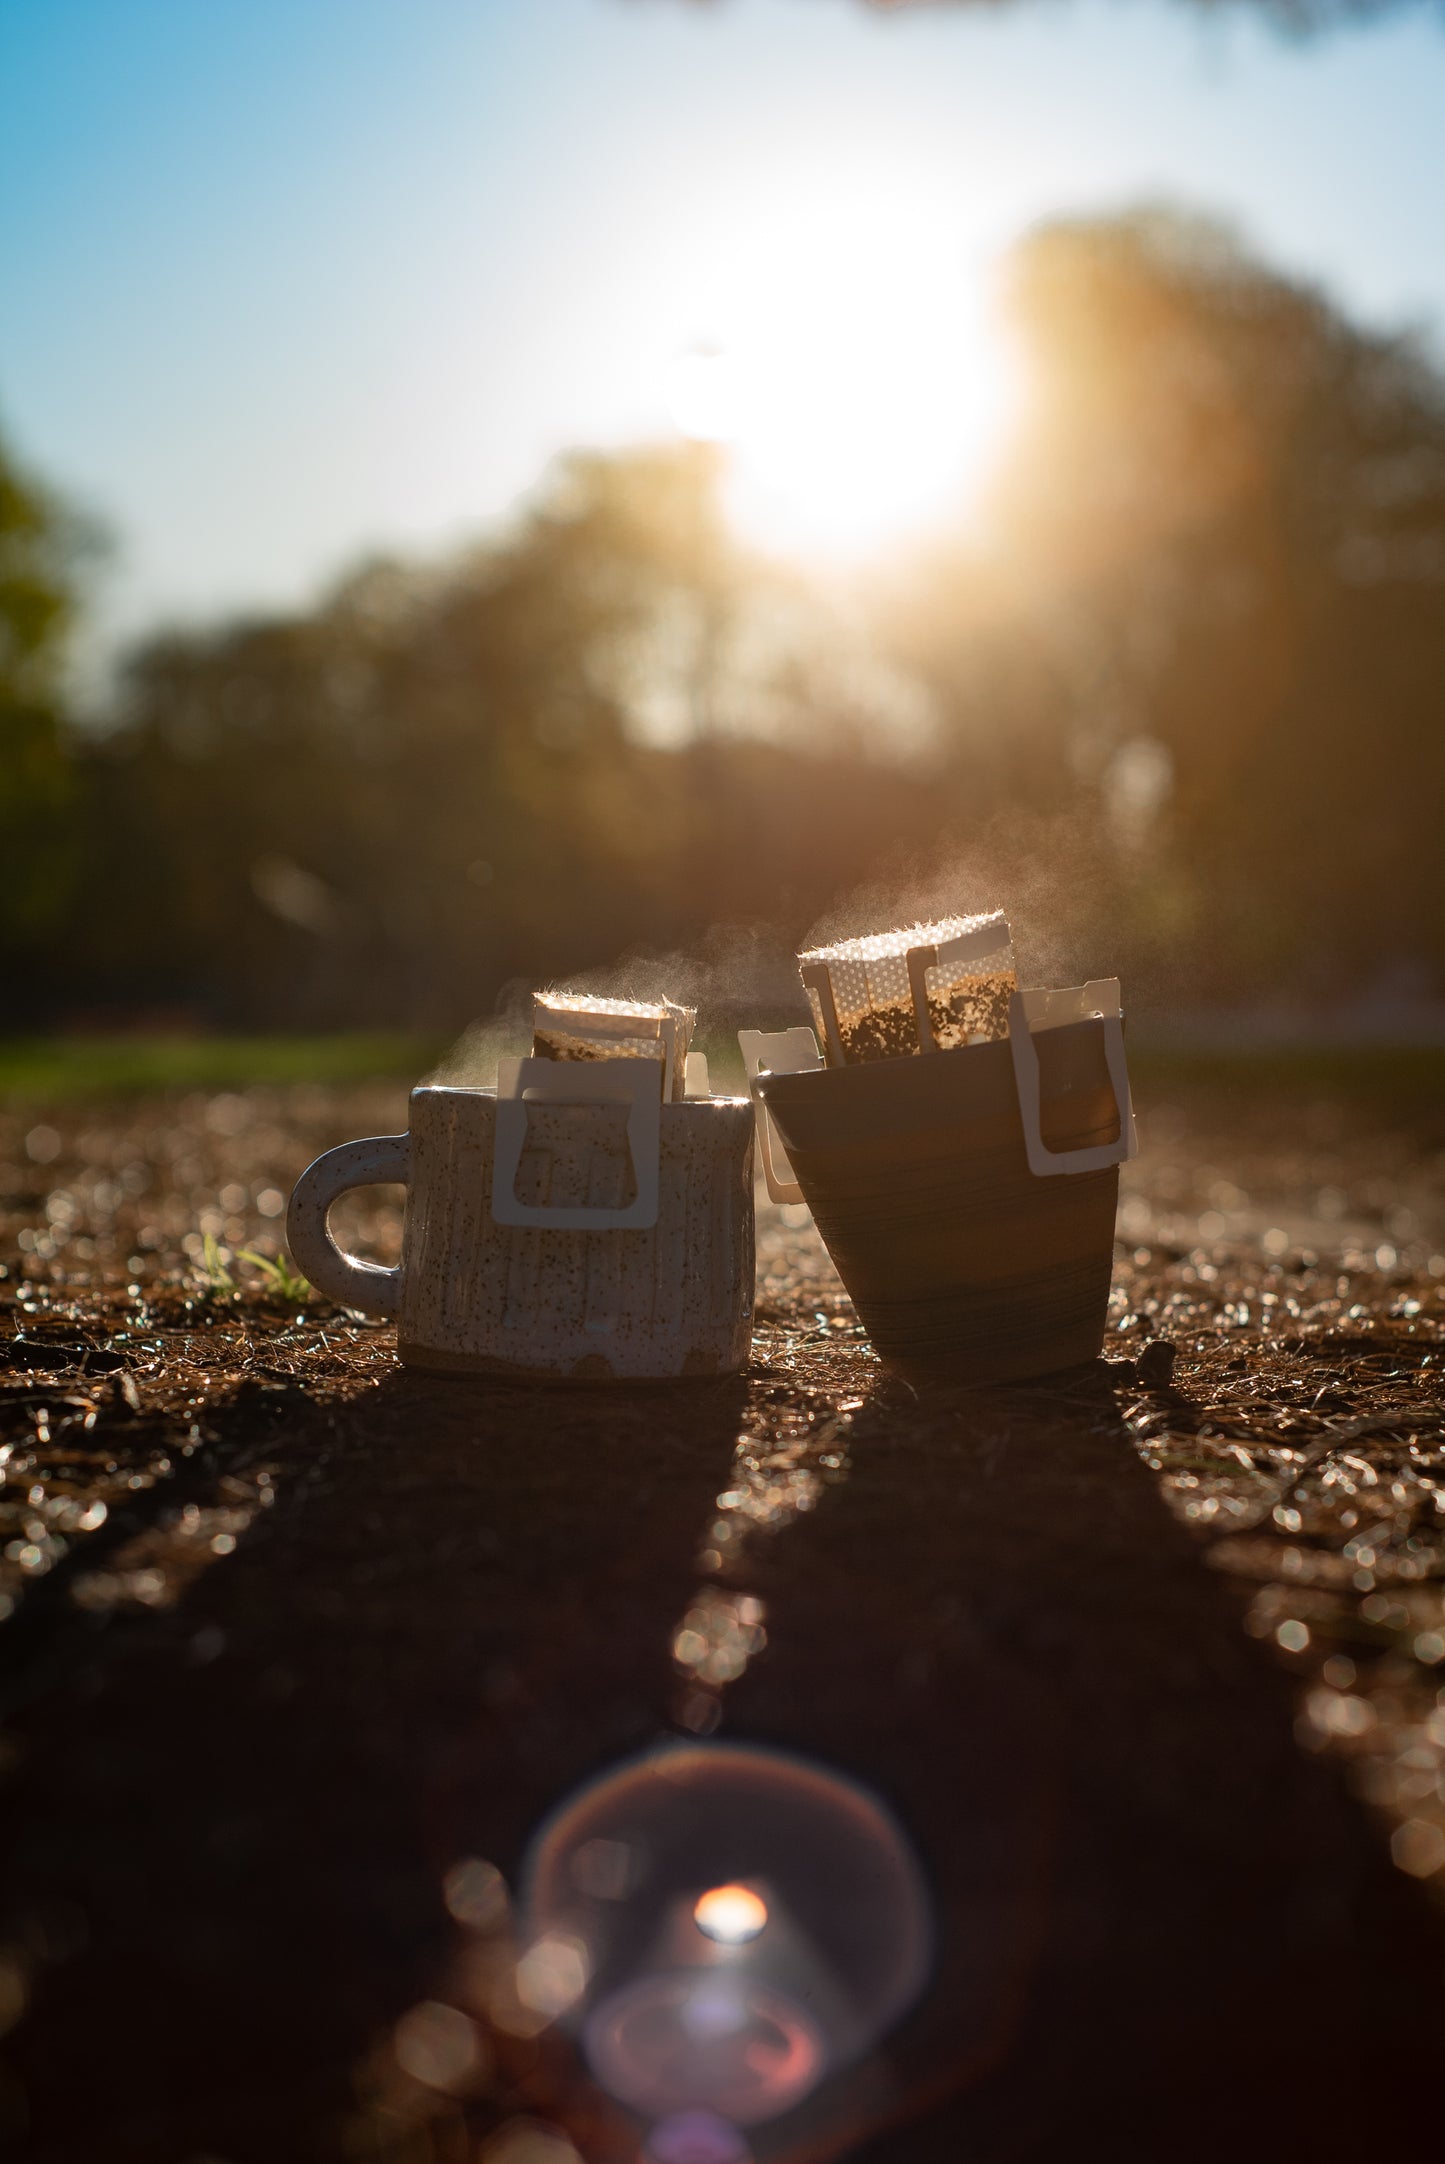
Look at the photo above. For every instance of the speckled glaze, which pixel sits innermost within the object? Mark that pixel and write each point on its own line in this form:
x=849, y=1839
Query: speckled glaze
x=473, y=1296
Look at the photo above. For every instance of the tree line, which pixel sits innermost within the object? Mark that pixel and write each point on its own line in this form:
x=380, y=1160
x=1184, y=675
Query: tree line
x=1176, y=702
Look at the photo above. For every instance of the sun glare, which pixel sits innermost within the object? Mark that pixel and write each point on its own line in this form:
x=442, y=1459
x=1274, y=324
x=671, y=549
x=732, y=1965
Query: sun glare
x=864, y=387
x=730, y=1914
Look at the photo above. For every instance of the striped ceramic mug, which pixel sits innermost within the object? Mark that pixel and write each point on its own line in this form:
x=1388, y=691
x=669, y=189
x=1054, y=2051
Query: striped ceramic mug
x=566, y=1225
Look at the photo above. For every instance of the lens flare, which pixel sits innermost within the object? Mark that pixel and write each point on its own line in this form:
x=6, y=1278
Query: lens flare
x=552, y=1975
x=692, y=2041
x=730, y=1914
x=809, y=1936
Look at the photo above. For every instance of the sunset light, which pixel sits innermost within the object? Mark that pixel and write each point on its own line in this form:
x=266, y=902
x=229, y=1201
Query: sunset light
x=864, y=386
x=721, y=777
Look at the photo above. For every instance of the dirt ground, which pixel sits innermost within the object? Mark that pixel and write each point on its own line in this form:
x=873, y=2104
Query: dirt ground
x=298, y=1647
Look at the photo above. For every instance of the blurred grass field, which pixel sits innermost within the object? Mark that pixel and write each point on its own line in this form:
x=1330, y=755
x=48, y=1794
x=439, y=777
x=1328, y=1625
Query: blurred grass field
x=65, y=1070
x=71, y=1069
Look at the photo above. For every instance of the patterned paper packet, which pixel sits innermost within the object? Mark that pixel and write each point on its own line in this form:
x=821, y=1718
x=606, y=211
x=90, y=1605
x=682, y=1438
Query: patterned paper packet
x=577, y=1025
x=867, y=993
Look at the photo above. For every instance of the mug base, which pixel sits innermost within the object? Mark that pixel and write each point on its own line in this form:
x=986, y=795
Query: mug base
x=1079, y=1365
x=698, y=1366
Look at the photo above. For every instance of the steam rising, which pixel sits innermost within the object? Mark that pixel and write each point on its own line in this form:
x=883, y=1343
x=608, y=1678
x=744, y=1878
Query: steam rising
x=743, y=974
x=1055, y=877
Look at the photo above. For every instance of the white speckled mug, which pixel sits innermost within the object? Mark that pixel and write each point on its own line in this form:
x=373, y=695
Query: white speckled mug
x=573, y=1226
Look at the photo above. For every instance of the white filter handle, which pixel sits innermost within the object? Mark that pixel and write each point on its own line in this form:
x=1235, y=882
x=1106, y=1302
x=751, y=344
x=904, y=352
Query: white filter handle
x=818, y=978
x=1049, y=1007
x=784, y=1051
x=633, y=1082
x=1040, y=1009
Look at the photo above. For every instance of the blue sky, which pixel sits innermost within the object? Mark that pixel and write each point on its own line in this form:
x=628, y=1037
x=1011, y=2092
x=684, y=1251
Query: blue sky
x=282, y=281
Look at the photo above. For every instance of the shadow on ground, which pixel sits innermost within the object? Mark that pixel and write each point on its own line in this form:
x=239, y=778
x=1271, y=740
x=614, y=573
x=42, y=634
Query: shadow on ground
x=1164, y=1929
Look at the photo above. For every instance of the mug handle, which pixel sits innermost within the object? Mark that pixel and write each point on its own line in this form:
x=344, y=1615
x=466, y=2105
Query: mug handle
x=345, y=1278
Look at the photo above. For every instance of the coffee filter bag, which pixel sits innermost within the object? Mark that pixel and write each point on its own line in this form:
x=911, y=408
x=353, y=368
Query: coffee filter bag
x=927, y=987
x=579, y=1026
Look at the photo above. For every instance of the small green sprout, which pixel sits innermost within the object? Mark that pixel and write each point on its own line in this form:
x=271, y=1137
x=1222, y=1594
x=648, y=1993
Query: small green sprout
x=281, y=1275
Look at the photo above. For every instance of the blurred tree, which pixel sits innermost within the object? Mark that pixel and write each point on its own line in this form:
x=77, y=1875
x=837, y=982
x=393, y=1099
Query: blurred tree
x=41, y=544
x=1213, y=607
x=1295, y=17
x=1175, y=704
x=527, y=763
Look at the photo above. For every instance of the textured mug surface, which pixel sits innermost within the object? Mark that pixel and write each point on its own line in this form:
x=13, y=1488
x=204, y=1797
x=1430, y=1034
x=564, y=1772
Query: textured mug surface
x=958, y=1258
x=473, y=1296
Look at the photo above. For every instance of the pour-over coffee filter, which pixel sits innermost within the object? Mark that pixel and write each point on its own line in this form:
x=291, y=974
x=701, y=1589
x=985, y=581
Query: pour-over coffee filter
x=579, y=1026
x=926, y=988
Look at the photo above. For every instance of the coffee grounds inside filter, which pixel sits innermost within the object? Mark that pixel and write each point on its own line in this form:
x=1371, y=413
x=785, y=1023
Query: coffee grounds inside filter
x=560, y=1045
x=879, y=1033
x=867, y=986
x=974, y=1007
